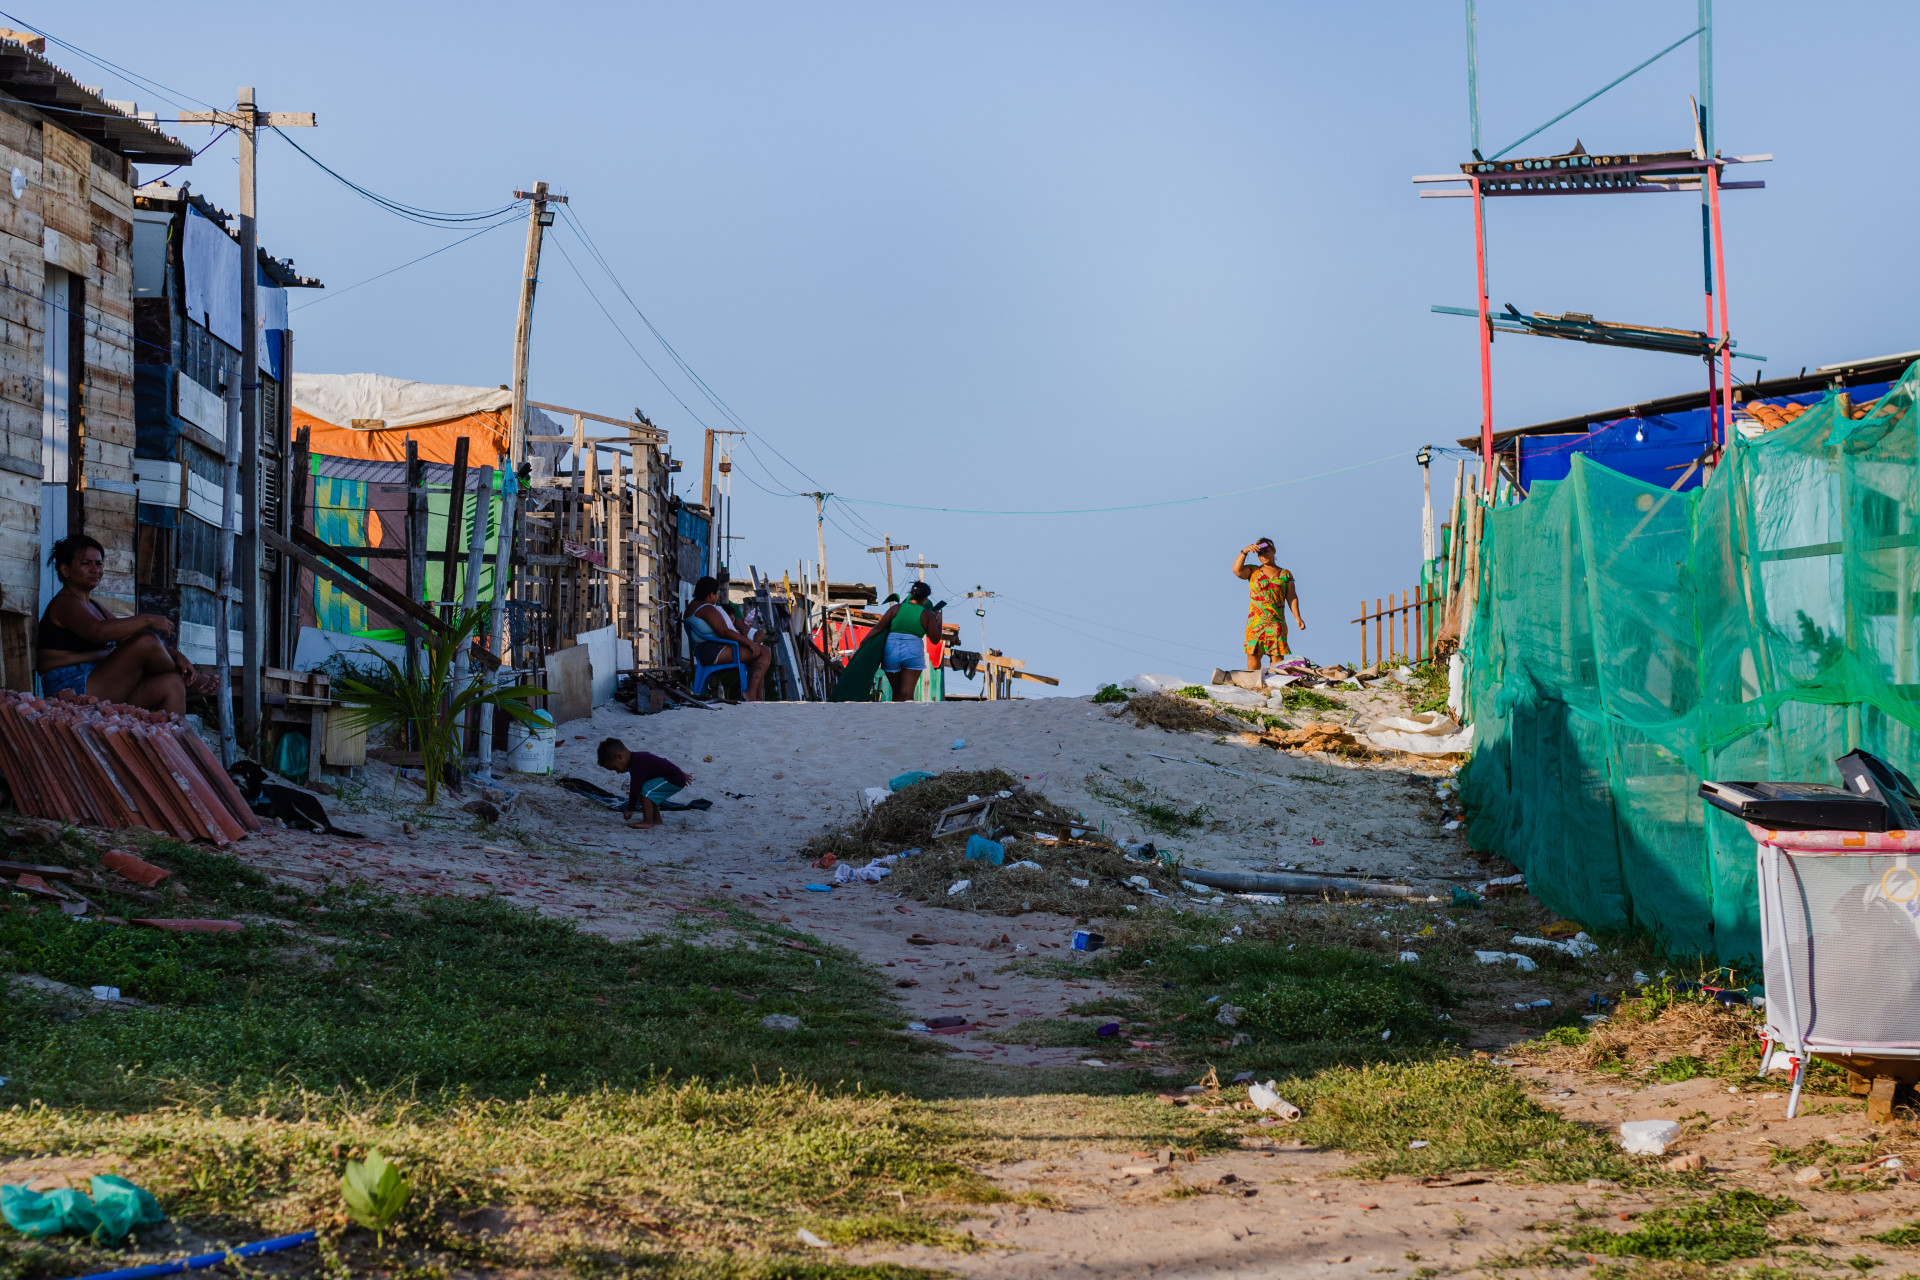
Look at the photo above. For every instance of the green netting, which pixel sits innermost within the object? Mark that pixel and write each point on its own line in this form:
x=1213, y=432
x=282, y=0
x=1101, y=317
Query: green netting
x=1628, y=641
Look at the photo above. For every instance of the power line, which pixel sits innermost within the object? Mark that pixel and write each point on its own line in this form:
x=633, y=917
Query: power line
x=131, y=77
x=196, y=155
x=1137, y=506
x=335, y=293
x=1157, y=657
x=412, y=213
x=1178, y=644
x=568, y=259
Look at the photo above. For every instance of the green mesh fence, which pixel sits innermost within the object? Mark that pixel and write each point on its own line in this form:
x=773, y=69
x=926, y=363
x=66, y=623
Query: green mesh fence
x=1629, y=641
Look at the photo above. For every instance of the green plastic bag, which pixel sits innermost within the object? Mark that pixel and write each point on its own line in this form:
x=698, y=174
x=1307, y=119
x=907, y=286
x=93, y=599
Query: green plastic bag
x=123, y=1207
x=115, y=1209
x=901, y=781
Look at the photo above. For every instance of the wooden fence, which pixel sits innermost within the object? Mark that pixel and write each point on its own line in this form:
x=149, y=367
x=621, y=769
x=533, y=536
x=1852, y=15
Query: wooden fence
x=1417, y=619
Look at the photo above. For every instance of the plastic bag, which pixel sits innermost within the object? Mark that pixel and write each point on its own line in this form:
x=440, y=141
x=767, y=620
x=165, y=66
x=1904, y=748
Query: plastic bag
x=115, y=1209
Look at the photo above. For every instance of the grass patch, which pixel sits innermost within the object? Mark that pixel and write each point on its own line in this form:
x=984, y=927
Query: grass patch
x=1907, y=1237
x=1110, y=693
x=1309, y=700
x=1471, y=1115
x=621, y=1097
x=1305, y=1002
x=1429, y=689
x=1150, y=806
x=1720, y=1228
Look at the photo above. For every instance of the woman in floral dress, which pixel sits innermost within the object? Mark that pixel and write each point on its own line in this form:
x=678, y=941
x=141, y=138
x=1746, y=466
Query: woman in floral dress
x=1269, y=594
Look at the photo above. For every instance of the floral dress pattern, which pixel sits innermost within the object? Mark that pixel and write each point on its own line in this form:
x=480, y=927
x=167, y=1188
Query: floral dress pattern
x=1267, y=592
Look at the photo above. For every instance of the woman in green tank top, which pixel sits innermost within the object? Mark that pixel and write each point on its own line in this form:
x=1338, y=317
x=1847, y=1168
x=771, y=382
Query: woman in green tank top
x=907, y=626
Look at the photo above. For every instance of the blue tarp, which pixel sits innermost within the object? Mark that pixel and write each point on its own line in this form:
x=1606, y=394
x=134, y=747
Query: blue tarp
x=1654, y=450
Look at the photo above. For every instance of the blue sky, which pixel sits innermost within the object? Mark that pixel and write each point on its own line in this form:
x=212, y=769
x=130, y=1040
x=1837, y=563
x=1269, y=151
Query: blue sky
x=1053, y=256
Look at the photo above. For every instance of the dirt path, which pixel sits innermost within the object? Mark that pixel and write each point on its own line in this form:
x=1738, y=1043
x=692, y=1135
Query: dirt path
x=779, y=774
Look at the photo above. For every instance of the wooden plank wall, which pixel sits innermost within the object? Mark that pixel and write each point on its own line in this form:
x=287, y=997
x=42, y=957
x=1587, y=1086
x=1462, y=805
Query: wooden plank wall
x=76, y=214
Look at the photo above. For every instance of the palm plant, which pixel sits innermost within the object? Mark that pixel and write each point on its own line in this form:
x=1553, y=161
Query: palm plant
x=429, y=707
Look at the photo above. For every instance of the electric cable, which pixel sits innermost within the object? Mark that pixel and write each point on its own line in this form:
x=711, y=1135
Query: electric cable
x=1157, y=657
x=335, y=293
x=196, y=155
x=412, y=213
x=131, y=77
x=648, y=364
x=1137, y=506
x=1178, y=644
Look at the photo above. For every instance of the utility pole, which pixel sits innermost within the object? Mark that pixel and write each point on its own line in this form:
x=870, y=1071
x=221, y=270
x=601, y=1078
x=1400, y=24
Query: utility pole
x=979, y=594
x=715, y=538
x=539, y=218
x=246, y=119
x=820, y=538
x=919, y=566
x=887, y=547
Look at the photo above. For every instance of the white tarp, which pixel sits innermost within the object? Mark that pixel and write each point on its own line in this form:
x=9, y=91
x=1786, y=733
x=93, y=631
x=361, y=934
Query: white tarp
x=339, y=398
x=1430, y=733
x=212, y=260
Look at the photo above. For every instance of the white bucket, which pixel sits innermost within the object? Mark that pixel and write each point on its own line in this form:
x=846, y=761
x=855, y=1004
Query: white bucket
x=530, y=746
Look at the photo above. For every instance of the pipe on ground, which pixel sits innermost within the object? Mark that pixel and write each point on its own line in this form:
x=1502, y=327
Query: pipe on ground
x=1283, y=882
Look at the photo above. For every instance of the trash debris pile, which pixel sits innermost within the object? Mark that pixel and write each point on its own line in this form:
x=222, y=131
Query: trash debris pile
x=975, y=840
x=104, y=764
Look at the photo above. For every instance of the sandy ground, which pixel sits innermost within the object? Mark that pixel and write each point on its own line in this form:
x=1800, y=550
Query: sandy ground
x=780, y=773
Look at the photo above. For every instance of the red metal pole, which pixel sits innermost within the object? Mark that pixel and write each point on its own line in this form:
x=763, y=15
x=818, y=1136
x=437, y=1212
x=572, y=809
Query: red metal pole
x=1720, y=287
x=1486, y=341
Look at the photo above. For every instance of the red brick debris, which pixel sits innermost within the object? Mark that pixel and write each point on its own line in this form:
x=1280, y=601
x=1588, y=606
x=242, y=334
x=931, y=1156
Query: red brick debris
x=105, y=764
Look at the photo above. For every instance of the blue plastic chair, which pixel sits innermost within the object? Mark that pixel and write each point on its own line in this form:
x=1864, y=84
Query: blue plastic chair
x=699, y=633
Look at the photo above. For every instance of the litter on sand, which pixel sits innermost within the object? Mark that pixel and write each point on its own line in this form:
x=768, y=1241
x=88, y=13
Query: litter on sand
x=1265, y=1097
x=958, y=887
x=820, y=888
x=114, y=1209
x=1648, y=1137
x=1523, y=963
x=1578, y=945
x=811, y=1240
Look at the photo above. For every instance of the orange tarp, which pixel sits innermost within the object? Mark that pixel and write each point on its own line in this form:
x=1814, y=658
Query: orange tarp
x=487, y=432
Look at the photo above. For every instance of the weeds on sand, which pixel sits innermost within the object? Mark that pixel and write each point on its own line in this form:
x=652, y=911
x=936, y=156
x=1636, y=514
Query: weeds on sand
x=1175, y=714
x=1429, y=689
x=1009, y=890
x=1907, y=1237
x=1149, y=805
x=1309, y=700
x=1720, y=1228
x=1111, y=693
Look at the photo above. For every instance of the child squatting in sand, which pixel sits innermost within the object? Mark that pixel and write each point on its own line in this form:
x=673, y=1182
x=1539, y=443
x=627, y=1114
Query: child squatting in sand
x=651, y=779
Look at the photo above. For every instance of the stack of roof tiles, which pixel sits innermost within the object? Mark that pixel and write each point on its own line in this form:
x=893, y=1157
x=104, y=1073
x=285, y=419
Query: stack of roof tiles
x=105, y=764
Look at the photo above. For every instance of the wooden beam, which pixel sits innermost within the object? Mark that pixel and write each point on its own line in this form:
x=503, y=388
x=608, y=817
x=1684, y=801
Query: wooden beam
x=627, y=423
x=369, y=589
x=452, y=553
x=347, y=584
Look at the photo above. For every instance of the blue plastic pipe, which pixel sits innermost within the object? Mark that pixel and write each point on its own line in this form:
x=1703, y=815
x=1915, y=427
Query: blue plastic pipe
x=204, y=1260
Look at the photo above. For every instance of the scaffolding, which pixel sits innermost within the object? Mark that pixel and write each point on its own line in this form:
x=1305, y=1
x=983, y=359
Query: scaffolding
x=1700, y=169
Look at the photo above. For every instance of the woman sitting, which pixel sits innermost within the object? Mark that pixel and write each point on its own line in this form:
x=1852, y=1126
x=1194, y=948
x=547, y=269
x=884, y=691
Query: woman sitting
x=88, y=650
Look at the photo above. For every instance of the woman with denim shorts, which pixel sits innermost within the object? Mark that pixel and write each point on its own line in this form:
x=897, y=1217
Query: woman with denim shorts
x=908, y=625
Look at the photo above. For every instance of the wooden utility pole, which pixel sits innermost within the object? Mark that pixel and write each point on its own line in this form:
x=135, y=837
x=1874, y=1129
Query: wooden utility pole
x=245, y=120
x=820, y=539
x=919, y=566
x=715, y=546
x=539, y=218
x=887, y=547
